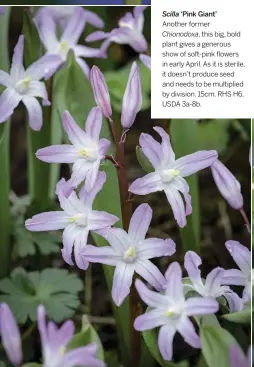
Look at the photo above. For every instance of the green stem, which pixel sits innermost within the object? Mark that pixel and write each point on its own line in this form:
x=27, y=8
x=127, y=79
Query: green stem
x=4, y=159
x=39, y=172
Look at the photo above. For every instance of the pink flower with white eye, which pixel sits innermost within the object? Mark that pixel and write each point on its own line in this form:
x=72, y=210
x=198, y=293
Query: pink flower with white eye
x=130, y=252
x=77, y=219
x=25, y=86
x=86, y=152
x=171, y=312
x=67, y=41
x=212, y=286
x=170, y=172
x=130, y=32
x=242, y=277
x=62, y=14
x=54, y=343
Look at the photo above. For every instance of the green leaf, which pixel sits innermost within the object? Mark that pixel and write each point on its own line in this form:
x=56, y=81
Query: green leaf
x=144, y=161
x=215, y=344
x=56, y=289
x=184, y=138
x=4, y=157
x=38, y=171
x=241, y=317
x=32, y=364
x=213, y=134
x=86, y=336
x=117, y=81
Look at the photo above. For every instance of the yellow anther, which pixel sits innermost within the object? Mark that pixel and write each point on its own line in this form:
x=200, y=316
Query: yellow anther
x=64, y=47
x=26, y=81
x=83, y=152
x=123, y=24
x=72, y=219
x=170, y=313
x=130, y=254
x=173, y=172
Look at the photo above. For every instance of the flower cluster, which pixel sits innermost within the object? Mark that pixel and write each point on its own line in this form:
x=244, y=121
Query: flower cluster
x=54, y=342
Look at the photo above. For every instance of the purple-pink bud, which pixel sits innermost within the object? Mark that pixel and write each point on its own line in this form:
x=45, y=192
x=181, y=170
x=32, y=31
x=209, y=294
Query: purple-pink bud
x=227, y=184
x=100, y=91
x=132, y=100
x=10, y=335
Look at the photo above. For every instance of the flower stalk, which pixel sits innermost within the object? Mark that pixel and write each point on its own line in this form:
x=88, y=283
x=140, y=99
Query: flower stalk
x=246, y=219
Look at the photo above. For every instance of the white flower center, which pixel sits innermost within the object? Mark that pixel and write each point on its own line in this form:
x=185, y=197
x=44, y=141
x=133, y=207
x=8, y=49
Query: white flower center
x=89, y=154
x=169, y=174
x=79, y=219
x=130, y=255
x=22, y=86
x=63, y=49
x=173, y=313
x=123, y=24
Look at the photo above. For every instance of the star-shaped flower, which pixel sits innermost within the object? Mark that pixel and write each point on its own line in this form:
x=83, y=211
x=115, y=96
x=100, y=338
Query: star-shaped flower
x=169, y=173
x=24, y=85
x=130, y=252
x=171, y=312
x=130, y=32
x=86, y=152
x=77, y=218
x=212, y=287
x=67, y=41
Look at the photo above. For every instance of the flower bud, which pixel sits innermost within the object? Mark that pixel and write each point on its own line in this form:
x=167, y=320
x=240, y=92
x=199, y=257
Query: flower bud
x=100, y=91
x=10, y=335
x=227, y=184
x=132, y=100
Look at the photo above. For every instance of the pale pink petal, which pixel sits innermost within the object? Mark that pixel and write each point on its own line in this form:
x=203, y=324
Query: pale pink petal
x=191, y=263
x=75, y=134
x=88, y=197
x=214, y=280
x=94, y=123
x=69, y=236
x=167, y=151
x=100, y=220
x=117, y=238
x=151, y=298
x=79, y=245
x=42, y=67
x=165, y=341
x=147, y=184
x=146, y=60
x=155, y=247
x=150, y=320
x=17, y=68
x=103, y=255
x=174, y=287
x=58, y=154
x=140, y=222
x=74, y=27
x=92, y=174
x=93, y=18
x=176, y=202
x=34, y=112
x=201, y=306
x=241, y=255
x=147, y=270
x=9, y=100
x=192, y=163
x=188, y=332
x=152, y=149
x=84, y=66
x=122, y=282
x=234, y=277
x=5, y=79
x=49, y=221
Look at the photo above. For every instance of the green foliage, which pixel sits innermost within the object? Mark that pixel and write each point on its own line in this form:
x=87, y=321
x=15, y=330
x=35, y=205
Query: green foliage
x=86, y=336
x=241, y=317
x=216, y=343
x=56, y=289
x=4, y=158
x=183, y=134
x=143, y=161
x=117, y=81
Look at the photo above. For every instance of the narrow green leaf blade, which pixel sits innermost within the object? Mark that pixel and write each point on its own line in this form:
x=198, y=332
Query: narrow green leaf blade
x=215, y=344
